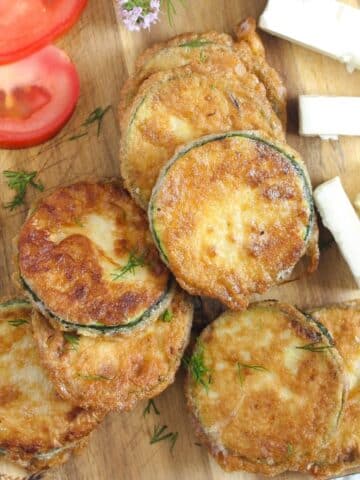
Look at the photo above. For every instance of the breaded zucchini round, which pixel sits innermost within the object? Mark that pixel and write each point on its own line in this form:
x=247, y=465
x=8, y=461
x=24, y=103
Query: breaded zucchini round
x=343, y=452
x=88, y=262
x=215, y=48
x=176, y=107
x=265, y=389
x=116, y=372
x=232, y=214
x=38, y=428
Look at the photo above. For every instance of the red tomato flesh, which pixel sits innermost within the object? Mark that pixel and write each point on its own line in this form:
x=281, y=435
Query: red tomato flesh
x=28, y=25
x=38, y=94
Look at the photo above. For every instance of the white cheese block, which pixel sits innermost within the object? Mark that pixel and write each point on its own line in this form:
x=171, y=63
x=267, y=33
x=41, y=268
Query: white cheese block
x=329, y=117
x=326, y=26
x=339, y=216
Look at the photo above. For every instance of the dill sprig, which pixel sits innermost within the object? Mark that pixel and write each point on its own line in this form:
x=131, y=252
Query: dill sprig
x=315, y=347
x=159, y=434
x=133, y=262
x=149, y=406
x=242, y=366
x=18, y=322
x=289, y=449
x=196, y=43
x=171, y=10
x=167, y=316
x=96, y=116
x=93, y=377
x=19, y=181
x=196, y=365
x=72, y=340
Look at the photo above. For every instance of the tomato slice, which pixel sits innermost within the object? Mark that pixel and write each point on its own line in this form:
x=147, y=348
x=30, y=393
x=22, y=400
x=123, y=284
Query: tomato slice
x=28, y=25
x=38, y=94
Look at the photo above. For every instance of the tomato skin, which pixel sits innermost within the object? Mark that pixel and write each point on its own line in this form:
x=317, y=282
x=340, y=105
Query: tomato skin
x=15, y=53
x=42, y=115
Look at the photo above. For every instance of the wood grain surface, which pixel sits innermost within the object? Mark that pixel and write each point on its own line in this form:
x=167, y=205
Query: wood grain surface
x=104, y=53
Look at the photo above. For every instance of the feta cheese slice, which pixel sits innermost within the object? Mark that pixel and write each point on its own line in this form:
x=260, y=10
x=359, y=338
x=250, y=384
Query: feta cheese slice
x=326, y=26
x=328, y=116
x=339, y=216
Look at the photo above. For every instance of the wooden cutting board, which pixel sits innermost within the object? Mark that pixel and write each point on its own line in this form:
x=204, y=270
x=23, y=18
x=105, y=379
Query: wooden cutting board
x=104, y=53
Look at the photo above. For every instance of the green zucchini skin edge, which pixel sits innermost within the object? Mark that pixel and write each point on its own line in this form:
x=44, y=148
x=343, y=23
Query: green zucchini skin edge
x=101, y=329
x=15, y=302
x=221, y=136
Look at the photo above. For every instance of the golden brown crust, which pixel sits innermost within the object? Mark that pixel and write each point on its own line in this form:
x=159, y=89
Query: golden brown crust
x=248, y=47
x=175, y=107
x=343, y=452
x=143, y=71
x=230, y=216
x=252, y=53
x=34, y=420
x=72, y=244
x=114, y=373
x=270, y=406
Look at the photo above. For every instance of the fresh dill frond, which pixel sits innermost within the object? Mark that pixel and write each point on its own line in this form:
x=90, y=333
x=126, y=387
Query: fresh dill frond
x=18, y=322
x=19, y=182
x=196, y=365
x=203, y=57
x=315, y=347
x=171, y=10
x=167, y=316
x=96, y=116
x=242, y=366
x=72, y=340
x=160, y=434
x=289, y=449
x=150, y=405
x=133, y=262
x=76, y=136
x=196, y=43
x=93, y=377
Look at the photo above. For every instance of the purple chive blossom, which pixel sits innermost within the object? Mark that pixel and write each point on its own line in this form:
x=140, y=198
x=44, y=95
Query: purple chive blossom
x=138, y=14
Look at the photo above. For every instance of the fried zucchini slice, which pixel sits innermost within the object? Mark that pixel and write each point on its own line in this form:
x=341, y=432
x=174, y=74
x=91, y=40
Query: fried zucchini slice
x=265, y=389
x=232, y=214
x=251, y=51
x=343, y=452
x=88, y=262
x=217, y=48
x=176, y=107
x=116, y=372
x=38, y=428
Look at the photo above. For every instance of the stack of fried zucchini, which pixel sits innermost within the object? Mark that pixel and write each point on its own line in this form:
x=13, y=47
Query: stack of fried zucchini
x=229, y=214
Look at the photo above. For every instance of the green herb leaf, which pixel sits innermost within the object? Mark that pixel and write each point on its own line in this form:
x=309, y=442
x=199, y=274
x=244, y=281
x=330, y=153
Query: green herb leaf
x=149, y=406
x=133, y=262
x=19, y=181
x=196, y=43
x=171, y=10
x=289, y=449
x=196, y=365
x=242, y=366
x=96, y=116
x=160, y=434
x=18, y=322
x=203, y=57
x=75, y=137
x=78, y=222
x=72, y=340
x=167, y=316
x=93, y=377
x=315, y=347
